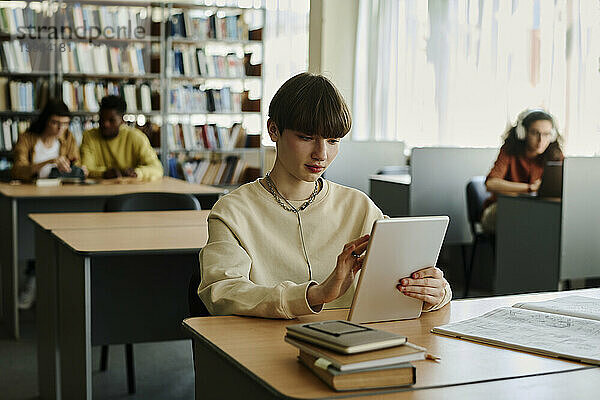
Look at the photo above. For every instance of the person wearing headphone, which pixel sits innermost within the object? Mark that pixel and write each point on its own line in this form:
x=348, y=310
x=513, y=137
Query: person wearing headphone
x=528, y=145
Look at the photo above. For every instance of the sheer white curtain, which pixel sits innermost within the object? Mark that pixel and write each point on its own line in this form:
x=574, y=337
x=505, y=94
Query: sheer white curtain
x=286, y=47
x=456, y=72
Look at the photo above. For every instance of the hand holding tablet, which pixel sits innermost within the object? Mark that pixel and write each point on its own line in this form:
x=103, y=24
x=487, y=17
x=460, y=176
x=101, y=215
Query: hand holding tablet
x=399, y=248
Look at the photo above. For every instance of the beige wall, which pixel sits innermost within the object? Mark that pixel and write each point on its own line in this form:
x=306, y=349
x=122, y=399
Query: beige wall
x=332, y=35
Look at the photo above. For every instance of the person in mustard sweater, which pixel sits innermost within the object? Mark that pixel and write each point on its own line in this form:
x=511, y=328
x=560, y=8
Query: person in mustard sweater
x=115, y=149
x=47, y=144
x=291, y=243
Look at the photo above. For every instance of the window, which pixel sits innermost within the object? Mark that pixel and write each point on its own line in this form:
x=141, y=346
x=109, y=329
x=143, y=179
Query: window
x=457, y=72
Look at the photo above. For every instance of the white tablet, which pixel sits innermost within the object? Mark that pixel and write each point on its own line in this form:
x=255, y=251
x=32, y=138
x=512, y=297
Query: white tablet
x=397, y=248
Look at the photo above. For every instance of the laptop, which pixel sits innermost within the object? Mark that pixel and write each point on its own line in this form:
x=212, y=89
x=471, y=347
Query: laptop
x=397, y=248
x=552, y=180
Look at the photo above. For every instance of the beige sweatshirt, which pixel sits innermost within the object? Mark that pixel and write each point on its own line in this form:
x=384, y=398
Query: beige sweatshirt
x=254, y=264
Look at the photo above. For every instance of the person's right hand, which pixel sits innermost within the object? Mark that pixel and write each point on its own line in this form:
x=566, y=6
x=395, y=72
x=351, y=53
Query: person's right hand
x=130, y=172
x=62, y=164
x=342, y=276
x=535, y=186
x=111, y=173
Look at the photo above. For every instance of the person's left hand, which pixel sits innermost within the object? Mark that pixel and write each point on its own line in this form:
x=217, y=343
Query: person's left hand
x=426, y=284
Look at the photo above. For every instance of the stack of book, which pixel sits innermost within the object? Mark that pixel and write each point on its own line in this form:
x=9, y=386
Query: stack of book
x=348, y=356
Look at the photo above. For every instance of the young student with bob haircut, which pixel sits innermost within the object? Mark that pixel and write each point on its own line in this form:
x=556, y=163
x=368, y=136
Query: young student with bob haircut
x=528, y=145
x=291, y=243
x=115, y=149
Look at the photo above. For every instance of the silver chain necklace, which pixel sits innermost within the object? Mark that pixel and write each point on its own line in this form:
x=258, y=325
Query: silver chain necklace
x=273, y=190
x=289, y=207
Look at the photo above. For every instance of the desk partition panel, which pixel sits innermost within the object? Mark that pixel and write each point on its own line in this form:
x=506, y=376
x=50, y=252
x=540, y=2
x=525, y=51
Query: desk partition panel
x=356, y=161
x=580, y=240
x=439, y=180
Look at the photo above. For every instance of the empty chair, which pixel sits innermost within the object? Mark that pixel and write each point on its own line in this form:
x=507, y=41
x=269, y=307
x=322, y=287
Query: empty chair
x=476, y=194
x=151, y=201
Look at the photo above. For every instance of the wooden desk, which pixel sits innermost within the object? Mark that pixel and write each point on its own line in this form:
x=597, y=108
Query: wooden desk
x=105, y=286
x=17, y=241
x=528, y=234
x=119, y=219
x=251, y=352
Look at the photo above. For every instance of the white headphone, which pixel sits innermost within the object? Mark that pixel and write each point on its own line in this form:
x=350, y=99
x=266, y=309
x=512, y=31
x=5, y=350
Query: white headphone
x=520, y=128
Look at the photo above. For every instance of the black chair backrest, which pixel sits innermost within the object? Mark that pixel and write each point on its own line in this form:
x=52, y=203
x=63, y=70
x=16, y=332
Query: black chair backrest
x=476, y=195
x=196, y=306
x=152, y=201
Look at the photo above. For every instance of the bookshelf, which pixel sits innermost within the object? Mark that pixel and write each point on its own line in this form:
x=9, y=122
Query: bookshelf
x=27, y=72
x=212, y=127
x=190, y=72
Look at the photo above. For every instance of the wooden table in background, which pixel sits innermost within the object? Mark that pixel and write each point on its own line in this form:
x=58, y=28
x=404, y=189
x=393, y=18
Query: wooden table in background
x=246, y=357
x=17, y=231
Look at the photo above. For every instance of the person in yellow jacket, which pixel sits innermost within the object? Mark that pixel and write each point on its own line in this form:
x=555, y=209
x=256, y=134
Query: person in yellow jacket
x=115, y=149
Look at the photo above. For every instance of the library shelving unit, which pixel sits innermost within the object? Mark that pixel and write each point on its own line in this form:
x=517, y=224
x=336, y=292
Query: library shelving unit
x=27, y=72
x=213, y=54
x=119, y=53
x=190, y=72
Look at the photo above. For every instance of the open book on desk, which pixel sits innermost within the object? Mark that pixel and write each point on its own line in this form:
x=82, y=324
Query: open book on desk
x=567, y=327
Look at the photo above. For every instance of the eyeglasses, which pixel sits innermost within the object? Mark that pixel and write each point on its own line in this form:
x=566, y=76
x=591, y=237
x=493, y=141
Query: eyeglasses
x=59, y=124
x=541, y=134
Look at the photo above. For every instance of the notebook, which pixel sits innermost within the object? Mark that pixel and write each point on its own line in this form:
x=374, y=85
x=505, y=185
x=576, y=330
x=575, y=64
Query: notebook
x=344, y=337
x=394, y=375
x=350, y=362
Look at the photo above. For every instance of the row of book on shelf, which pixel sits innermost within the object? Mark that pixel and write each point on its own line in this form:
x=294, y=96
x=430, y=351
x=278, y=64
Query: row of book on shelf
x=85, y=58
x=22, y=96
x=207, y=137
x=192, y=61
x=194, y=98
x=13, y=57
x=196, y=24
x=10, y=133
x=89, y=58
x=13, y=19
x=229, y=171
x=28, y=96
x=86, y=96
x=106, y=18
x=12, y=128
